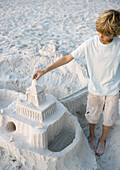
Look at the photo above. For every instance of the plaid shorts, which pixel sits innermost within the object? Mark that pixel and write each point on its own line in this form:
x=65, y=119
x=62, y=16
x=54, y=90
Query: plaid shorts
x=108, y=105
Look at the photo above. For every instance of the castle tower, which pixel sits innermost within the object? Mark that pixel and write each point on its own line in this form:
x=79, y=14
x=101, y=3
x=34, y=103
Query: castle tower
x=37, y=106
x=35, y=94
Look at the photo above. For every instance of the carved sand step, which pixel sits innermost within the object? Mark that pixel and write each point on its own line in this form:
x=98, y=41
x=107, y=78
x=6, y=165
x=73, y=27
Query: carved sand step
x=39, y=113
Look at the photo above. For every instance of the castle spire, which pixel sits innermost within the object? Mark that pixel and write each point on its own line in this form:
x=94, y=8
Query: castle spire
x=35, y=94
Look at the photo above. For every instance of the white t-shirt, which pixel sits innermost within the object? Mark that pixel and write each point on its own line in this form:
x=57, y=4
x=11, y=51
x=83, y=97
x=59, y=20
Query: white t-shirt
x=103, y=63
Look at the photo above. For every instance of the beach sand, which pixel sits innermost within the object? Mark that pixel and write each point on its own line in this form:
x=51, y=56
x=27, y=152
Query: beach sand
x=34, y=34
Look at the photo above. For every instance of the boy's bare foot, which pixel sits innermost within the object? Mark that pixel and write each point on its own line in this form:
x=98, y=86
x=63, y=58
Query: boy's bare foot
x=101, y=148
x=92, y=144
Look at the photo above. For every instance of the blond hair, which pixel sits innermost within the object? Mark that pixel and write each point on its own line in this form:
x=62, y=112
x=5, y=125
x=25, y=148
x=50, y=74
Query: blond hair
x=108, y=23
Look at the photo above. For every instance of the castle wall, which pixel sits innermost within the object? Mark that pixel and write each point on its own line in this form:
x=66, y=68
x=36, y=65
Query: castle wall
x=41, y=97
x=55, y=128
x=29, y=113
x=21, y=127
x=40, y=137
x=34, y=114
x=39, y=140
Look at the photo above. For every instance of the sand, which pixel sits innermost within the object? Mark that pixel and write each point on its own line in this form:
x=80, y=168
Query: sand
x=34, y=34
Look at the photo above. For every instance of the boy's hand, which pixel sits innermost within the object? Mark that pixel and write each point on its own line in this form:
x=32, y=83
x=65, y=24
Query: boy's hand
x=37, y=75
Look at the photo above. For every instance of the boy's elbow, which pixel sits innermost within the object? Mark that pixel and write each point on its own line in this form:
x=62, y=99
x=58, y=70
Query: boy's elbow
x=69, y=58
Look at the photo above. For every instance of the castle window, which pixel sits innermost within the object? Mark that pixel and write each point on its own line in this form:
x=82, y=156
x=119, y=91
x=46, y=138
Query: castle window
x=11, y=126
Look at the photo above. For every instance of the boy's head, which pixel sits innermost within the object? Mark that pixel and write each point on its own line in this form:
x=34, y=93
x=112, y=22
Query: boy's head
x=108, y=23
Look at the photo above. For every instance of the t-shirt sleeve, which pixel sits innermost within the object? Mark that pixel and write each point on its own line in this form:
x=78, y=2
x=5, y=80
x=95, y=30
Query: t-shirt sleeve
x=79, y=52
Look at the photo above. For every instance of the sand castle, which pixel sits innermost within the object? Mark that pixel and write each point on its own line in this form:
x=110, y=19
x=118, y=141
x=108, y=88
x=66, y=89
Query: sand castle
x=39, y=128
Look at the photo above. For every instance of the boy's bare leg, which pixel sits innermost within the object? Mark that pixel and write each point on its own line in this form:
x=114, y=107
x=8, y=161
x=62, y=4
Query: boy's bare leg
x=101, y=145
x=92, y=136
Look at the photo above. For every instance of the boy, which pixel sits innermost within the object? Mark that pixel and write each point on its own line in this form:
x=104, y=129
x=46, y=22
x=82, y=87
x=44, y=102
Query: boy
x=102, y=53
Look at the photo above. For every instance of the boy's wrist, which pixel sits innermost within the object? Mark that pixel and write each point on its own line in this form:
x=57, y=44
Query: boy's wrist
x=44, y=71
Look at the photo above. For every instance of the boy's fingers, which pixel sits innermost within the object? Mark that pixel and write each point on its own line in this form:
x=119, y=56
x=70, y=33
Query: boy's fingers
x=37, y=78
x=34, y=76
